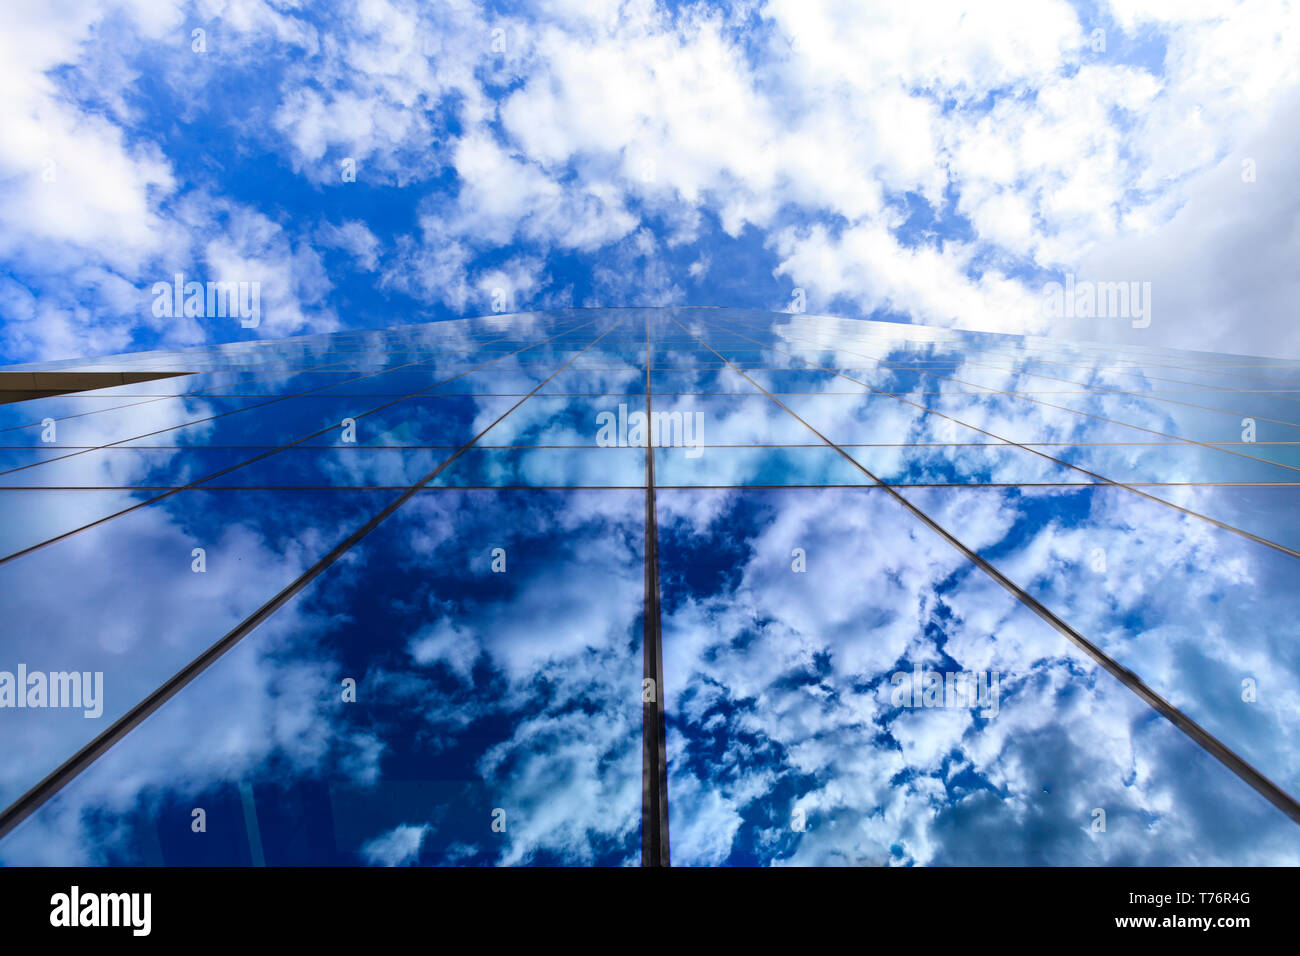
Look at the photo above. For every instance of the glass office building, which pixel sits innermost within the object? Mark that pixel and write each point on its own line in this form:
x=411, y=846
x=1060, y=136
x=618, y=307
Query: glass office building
x=641, y=586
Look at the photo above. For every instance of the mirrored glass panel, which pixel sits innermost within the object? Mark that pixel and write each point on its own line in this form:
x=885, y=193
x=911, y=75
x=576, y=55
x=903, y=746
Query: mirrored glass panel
x=851, y=593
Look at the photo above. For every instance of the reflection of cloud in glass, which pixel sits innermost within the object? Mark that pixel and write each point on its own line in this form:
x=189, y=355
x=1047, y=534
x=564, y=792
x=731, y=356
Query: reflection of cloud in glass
x=398, y=847
x=497, y=716
x=780, y=713
x=124, y=598
x=517, y=692
x=1192, y=609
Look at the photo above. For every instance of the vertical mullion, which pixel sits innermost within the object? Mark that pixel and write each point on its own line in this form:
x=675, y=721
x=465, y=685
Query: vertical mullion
x=654, y=772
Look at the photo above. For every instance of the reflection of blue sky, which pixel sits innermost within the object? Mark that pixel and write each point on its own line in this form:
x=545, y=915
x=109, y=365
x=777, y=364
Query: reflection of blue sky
x=522, y=690
x=122, y=598
x=476, y=691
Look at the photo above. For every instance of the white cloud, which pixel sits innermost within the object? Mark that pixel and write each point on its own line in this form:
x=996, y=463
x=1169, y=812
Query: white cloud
x=869, y=265
x=354, y=238
x=768, y=681
x=400, y=846
x=575, y=129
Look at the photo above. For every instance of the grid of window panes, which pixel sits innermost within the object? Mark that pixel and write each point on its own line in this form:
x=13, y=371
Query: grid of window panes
x=918, y=596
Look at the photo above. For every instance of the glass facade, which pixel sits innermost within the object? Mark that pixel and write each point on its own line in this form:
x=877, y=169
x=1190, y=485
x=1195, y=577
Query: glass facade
x=646, y=586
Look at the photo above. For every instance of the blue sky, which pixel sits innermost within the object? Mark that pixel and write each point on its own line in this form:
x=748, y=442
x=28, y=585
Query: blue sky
x=932, y=164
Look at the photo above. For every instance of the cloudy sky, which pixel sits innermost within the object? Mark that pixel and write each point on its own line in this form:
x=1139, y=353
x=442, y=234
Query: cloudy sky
x=379, y=162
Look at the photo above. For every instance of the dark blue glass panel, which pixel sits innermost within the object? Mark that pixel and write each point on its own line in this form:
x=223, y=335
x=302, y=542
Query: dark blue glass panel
x=134, y=600
x=496, y=719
